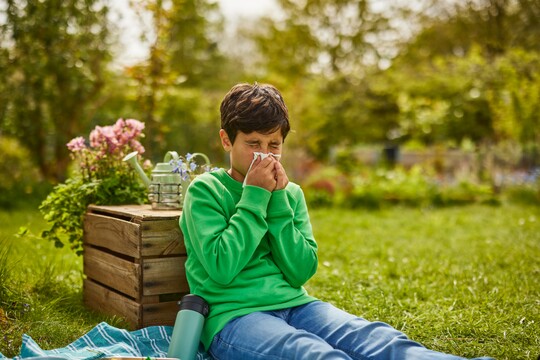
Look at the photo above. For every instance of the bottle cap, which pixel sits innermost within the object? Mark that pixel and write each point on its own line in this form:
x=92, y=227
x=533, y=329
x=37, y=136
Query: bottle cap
x=195, y=303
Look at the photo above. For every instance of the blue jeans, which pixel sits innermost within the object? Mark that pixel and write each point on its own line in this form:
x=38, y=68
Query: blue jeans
x=316, y=330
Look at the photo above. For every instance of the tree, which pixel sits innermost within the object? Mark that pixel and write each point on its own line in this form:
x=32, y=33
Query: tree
x=322, y=53
x=453, y=28
x=57, y=52
x=193, y=33
x=471, y=70
x=183, y=55
x=332, y=38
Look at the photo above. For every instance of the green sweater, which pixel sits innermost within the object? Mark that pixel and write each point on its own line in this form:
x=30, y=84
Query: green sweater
x=248, y=249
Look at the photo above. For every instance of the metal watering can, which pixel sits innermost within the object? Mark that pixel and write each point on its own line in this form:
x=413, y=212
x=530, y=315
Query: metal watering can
x=166, y=188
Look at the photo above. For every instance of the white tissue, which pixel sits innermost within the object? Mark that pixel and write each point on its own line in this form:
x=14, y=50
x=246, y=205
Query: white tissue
x=262, y=156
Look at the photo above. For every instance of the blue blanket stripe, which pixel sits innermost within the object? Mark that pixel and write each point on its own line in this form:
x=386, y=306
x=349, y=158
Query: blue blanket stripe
x=106, y=341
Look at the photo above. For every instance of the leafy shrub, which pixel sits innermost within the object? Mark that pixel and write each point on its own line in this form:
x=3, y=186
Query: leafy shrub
x=462, y=193
x=394, y=186
x=21, y=178
x=101, y=178
x=374, y=188
x=527, y=193
x=326, y=187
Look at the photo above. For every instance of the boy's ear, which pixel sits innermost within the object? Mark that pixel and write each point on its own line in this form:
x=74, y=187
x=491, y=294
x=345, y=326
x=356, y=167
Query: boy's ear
x=225, y=141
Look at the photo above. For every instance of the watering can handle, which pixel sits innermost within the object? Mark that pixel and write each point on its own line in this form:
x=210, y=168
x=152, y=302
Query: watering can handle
x=169, y=155
x=206, y=159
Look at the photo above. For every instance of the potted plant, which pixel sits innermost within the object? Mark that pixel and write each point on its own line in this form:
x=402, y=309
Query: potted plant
x=100, y=177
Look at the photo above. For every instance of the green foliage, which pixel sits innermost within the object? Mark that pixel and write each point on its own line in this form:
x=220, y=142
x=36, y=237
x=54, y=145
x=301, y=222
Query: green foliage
x=66, y=205
x=57, y=53
x=345, y=110
x=512, y=91
x=394, y=186
x=464, y=192
x=190, y=122
x=376, y=188
x=487, y=100
x=21, y=178
x=528, y=193
x=456, y=27
x=102, y=179
x=183, y=59
x=190, y=38
x=325, y=187
x=452, y=81
x=323, y=37
x=468, y=71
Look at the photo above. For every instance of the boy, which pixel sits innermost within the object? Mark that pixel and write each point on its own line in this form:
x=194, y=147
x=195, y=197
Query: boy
x=251, y=249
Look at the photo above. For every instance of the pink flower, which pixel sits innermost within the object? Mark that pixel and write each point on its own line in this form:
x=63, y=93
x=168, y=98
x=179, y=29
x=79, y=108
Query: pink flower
x=76, y=144
x=135, y=145
x=110, y=138
x=133, y=129
x=135, y=125
x=147, y=164
x=96, y=137
x=118, y=128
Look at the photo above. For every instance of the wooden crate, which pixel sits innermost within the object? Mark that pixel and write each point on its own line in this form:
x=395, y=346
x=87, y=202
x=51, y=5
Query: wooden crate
x=134, y=263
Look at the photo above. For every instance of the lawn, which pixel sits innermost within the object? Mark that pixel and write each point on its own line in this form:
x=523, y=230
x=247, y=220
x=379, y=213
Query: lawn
x=463, y=280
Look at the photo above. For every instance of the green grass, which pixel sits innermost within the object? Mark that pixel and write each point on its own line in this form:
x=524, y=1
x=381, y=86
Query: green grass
x=462, y=280
x=40, y=288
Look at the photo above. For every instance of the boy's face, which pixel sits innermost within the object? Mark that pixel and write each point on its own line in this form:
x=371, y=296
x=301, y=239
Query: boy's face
x=241, y=152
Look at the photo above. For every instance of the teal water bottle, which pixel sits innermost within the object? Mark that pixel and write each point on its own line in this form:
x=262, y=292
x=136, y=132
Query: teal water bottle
x=188, y=328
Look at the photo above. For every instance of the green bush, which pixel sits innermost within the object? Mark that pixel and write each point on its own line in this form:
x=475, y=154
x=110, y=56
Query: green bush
x=325, y=187
x=21, y=179
x=66, y=205
x=525, y=194
x=391, y=186
x=463, y=192
x=375, y=188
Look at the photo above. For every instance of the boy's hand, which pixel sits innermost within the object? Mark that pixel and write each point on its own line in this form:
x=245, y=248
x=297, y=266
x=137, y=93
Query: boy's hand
x=263, y=174
x=281, y=177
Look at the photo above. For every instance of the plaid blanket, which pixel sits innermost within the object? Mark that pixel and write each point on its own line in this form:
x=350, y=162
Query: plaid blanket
x=107, y=341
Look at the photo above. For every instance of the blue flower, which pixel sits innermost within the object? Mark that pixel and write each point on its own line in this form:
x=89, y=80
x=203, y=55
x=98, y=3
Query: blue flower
x=177, y=165
x=187, y=167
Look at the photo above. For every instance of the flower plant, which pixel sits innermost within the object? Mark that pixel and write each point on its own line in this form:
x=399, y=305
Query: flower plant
x=100, y=177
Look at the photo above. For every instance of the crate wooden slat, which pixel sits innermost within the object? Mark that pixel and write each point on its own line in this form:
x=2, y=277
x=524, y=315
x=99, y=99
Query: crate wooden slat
x=110, y=302
x=134, y=263
x=163, y=276
x=119, y=236
x=159, y=313
x=112, y=271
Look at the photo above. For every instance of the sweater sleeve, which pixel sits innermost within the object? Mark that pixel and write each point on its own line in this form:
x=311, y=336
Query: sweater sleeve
x=291, y=237
x=223, y=246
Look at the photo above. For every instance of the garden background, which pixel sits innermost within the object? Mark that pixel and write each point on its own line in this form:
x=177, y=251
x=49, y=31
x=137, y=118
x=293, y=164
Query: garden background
x=416, y=138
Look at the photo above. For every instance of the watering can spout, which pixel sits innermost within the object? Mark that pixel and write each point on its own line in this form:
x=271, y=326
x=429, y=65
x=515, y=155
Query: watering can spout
x=131, y=159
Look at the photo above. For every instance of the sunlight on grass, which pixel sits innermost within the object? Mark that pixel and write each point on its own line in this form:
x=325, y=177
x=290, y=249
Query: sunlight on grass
x=40, y=287
x=463, y=280
x=459, y=280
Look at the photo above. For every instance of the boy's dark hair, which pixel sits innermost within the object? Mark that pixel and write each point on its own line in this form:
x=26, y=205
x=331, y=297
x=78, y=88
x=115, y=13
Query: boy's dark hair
x=257, y=107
